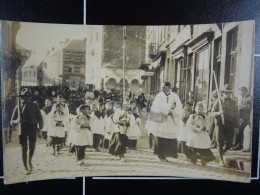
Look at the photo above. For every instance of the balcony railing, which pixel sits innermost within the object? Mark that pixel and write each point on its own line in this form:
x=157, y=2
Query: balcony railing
x=153, y=50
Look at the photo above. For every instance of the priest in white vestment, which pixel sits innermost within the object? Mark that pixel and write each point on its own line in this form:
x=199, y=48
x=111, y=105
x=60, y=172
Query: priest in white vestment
x=164, y=121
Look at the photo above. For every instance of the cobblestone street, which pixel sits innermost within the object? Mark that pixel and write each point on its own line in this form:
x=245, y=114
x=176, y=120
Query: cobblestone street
x=139, y=163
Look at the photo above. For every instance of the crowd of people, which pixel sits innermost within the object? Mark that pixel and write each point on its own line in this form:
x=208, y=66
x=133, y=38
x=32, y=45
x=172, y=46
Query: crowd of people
x=77, y=118
x=89, y=118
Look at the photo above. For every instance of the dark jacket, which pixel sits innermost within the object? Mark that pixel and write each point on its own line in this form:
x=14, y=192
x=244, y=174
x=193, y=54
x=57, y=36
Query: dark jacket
x=245, y=107
x=30, y=114
x=230, y=111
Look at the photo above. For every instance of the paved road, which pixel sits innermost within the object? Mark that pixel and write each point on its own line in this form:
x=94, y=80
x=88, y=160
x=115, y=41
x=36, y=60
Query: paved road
x=139, y=163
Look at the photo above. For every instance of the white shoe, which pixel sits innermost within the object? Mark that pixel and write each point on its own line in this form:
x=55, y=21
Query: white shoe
x=222, y=164
x=78, y=162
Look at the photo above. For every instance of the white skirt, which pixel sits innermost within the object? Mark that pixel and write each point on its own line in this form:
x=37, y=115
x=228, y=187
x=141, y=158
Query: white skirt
x=199, y=140
x=57, y=132
x=82, y=138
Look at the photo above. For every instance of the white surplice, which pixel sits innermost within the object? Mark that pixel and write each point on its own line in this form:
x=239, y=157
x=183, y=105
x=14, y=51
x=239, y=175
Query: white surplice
x=165, y=116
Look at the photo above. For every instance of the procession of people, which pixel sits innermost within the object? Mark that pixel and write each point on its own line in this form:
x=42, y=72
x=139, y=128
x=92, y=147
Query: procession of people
x=84, y=118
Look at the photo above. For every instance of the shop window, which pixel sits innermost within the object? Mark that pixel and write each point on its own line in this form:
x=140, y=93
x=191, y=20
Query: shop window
x=185, y=79
x=179, y=64
x=202, y=76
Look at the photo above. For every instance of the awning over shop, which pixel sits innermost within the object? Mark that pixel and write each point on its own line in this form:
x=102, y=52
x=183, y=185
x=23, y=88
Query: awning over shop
x=159, y=60
x=156, y=63
x=144, y=66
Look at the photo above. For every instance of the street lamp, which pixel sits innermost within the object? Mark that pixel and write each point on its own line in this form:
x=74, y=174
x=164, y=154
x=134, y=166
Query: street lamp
x=124, y=38
x=140, y=53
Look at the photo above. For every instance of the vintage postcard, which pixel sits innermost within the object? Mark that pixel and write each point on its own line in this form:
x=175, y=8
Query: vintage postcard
x=93, y=100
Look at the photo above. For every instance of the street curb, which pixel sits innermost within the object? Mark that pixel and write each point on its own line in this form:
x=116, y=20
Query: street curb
x=241, y=163
x=238, y=164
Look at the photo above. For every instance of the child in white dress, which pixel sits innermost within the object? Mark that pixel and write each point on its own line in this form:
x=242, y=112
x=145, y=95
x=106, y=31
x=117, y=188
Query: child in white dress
x=58, y=125
x=133, y=131
x=119, y=125
x=82, y=136
x=45, y=111
x=97, y=124
x=107, y=124
x=198, y=141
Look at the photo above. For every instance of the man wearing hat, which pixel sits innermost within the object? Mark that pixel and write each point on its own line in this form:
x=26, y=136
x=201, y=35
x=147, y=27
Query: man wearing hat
x=245, y=107
x=90, y=94
x=163, y=122
x=225, y=132
x=30, y=116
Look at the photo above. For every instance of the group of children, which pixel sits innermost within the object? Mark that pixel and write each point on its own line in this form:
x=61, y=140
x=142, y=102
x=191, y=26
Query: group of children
x=96, y=124
x=111, y=127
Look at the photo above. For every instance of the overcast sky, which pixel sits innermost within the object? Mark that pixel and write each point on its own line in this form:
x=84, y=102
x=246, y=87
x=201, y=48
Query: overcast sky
x=40, y=36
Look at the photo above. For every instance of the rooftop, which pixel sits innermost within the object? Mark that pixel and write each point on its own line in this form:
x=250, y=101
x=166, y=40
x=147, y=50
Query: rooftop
x=20, y=48
x=34, y=60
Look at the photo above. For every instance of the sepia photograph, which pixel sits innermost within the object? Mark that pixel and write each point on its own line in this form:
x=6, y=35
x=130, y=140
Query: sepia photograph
x=110, y=100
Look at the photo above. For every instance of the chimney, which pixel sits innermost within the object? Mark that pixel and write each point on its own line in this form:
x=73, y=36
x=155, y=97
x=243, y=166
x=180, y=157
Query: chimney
x=66, y=40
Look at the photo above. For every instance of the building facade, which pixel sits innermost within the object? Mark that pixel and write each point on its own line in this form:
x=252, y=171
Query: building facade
x=29, y=76
x=65, y=65
x=12, y=55
x=190, y=57
x=104, y=57
x=32, y=71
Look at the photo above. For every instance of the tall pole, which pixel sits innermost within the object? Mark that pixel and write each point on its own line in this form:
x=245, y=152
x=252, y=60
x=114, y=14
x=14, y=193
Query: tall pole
x=124, y=38
x=219, y=96
x=18, y=98
x=139, y=61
